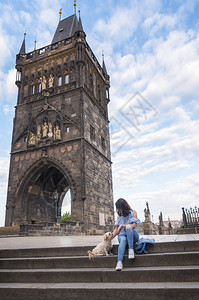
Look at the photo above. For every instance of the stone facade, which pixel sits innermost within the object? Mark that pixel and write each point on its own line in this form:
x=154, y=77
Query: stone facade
x=61, y=135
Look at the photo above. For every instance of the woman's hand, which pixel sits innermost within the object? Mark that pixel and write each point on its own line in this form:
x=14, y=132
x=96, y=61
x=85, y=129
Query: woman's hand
x=120, y=227
x=115, y=232
x=133, y=225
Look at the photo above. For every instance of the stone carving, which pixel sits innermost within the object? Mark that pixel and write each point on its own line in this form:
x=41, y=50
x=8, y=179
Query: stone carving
x=161, y=224
x=57, y=133
x=51, y=81
x=38, y=132
x=32, y=139
x=50, y=133
x=45, y=130
x=43, y=83
x=147, y=213
x=160, y=219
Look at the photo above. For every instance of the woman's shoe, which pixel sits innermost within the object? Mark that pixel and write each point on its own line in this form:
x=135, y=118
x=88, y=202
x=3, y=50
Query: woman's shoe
x=119, y=266
x=131, y=254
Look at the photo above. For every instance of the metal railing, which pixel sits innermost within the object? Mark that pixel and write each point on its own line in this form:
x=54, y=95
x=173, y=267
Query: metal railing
x=190, y=217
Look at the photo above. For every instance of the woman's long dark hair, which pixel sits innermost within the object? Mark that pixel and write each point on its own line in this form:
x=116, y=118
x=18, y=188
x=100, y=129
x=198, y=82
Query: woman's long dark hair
x=123, y=208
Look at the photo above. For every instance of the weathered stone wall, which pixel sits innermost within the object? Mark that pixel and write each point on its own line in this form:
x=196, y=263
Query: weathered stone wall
x=65, y=152
x=99, y=202
x=52, y=147
x=67, y=228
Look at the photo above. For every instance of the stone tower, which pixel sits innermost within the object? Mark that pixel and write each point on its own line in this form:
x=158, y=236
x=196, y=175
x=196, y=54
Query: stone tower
x=61, y=133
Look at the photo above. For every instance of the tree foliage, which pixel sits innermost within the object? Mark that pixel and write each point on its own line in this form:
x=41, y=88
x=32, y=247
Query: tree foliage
x=66, y=217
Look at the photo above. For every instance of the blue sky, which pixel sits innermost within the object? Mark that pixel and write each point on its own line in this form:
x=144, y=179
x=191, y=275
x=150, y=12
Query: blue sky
x=152, y=55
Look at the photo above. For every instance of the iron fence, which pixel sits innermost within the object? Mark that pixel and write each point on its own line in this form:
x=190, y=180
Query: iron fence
x=190, y=217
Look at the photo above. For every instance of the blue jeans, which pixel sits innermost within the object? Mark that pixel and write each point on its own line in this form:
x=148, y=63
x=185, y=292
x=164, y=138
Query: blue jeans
x=131, y=237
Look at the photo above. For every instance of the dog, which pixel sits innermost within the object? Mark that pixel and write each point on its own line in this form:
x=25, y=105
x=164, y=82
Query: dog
x=104, y=248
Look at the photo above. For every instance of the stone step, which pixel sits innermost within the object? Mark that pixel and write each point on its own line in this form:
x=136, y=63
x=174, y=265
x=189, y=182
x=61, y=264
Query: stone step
x=142, y=274
x=100, y=291
x=181, y=246
x=144, y=260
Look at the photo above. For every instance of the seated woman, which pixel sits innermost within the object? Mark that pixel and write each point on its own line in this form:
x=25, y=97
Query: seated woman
x=126, y=230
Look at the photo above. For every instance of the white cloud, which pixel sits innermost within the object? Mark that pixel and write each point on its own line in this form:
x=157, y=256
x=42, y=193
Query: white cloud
x=8, y=89
x=25, y=17
x=158, y=22
x=5, y=52
x=169, y=198
x=6, y=109
x=11, y=88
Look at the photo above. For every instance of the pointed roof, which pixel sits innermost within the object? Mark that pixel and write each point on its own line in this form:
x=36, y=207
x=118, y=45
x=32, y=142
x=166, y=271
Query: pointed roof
x=23, y=46
x=104, y=67
x=67, y=28
x=80, y=24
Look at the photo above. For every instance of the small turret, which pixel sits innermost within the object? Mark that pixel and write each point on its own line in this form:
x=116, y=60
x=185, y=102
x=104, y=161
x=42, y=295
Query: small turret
x=23, y=46
x=106, y=76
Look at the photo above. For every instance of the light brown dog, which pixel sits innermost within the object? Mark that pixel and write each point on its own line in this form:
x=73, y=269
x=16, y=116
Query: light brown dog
x=104, y=248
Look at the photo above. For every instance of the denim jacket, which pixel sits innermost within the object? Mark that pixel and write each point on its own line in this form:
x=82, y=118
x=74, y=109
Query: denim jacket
x=127, y=220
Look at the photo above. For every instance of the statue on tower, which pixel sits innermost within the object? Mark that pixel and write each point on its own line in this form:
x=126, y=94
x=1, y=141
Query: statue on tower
x=38, y=132
x=161, y=224
x=32, y=139
x=50, y=81
x=45, y=129
x=57, y=133
x=147, y=213
x=147, y=224
x=43, y=83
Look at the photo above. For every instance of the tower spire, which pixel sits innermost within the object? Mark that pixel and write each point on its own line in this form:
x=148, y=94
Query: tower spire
x=23, y=46
x=103, y=63
x=102, y=56
x=60, y=13
x=75, y=7
x=35, y=44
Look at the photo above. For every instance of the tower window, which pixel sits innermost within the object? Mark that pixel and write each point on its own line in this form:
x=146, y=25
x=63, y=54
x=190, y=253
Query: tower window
x=39, y=88
x=25, y=139
x=67, y=79
x=99, y=95
x=54, y=46
x=68, y=41
x=67, y=129
x=91, y=81
x=33, y=89
x=42, y=50
x=92, y=133
x=60, y=81
x=107, y=94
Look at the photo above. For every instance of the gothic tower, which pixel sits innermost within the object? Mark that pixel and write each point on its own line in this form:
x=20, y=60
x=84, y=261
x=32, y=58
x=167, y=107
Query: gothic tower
x=61, y=133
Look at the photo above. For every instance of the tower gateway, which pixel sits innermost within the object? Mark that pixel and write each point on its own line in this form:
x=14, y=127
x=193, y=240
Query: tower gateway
x=60, y=137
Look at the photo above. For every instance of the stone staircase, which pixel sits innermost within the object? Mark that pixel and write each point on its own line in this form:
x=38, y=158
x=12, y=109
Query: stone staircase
x=169, y=271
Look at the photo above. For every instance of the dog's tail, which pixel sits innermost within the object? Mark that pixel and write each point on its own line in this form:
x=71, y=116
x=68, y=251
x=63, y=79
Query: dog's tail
x=90, y=255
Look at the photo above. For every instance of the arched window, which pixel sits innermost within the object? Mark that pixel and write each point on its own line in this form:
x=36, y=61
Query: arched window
x=66, y=79
x=59, y=81
x=92, y=133
x=91, y=81
x=33, y=89
x=66, y=204
x=107, y=94
x=99, y=95
x=39, y=88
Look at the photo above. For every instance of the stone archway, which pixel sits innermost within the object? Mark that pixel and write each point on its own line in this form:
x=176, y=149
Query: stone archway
x=42, y=191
